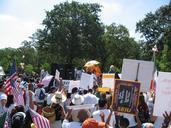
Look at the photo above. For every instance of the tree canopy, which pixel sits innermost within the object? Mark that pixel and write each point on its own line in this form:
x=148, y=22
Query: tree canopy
x=73, y=34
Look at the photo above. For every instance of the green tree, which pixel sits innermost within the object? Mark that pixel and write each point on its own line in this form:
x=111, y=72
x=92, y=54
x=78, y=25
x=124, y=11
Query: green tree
x=119, y=45
x=156, y=28
x=73, y=31
x=28, y=69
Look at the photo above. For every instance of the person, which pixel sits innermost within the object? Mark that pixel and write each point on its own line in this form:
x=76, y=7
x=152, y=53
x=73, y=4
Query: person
x=57, y=101
x=40, y=97
x=18, y=120
x=111, y=69
x=3, y=101
x=143, y=111
x=77, y=100
x=3, y=110
x=83, y=114
x=50, y=95
x=147, y=125
x=103, y=108
x=123, y=122
x=10, y=103
x=92, y=123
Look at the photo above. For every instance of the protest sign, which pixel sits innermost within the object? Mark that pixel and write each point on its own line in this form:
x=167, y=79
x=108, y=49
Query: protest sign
x=78, y=107
x=163, y=94
x=66, y=84
x=46, y=80
x=104, y=89
x=73, y=83
x=108, y=80
x=57, y=74
x=139, y=70
x=86, y=81
x=126, y=94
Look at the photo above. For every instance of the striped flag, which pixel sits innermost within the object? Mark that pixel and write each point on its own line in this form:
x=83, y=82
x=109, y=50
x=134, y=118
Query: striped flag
x=39, y=120
x=18, y=96
x=12, y=77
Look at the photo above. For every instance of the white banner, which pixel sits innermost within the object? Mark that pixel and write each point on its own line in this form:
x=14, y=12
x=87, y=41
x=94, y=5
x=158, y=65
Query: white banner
x=108, y=80
x=142, y=70
x=163, y=94
x=86, y=80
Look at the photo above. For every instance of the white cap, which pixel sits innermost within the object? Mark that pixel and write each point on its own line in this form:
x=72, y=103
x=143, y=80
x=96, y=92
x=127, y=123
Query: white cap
x=3, y=96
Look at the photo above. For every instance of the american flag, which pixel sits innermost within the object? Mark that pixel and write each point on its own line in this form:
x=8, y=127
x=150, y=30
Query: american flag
x=39, y=120
x=18, y=96
x=13, y=76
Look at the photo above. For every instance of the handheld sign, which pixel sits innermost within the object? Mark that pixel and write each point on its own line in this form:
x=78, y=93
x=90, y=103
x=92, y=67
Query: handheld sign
x=86, y=81
x=108, y=80
x=126, y=95
x=138, y=70
x=73, y=83
x=163, y=94
x=57, y=74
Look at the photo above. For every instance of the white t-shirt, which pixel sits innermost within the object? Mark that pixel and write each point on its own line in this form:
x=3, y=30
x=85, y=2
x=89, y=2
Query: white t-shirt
x=67, y=124
x=96, y=115
x=90, y=99
x=49, y=98
x=37, y=93
x=131, y=119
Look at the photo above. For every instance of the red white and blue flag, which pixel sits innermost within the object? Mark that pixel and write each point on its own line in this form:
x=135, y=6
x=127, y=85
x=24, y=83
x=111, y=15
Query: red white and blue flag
x=12, y=78
x=39, y=120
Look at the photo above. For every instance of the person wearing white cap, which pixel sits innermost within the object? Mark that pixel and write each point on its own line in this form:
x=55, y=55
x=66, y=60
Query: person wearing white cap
x=56, y=103
x=77, y=100
x=3, y=101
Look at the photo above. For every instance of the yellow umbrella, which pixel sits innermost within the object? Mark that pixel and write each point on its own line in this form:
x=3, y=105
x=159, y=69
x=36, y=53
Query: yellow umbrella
x=91, y=63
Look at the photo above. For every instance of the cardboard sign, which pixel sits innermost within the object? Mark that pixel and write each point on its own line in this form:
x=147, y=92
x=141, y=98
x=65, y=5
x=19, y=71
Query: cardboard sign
x=104, y=89
x=73, y=83
x=126, y=95
x=163, y=94
x=141, y=71
x=86, y=80
x=108, y=80
x=78, y=107
x=57, y=74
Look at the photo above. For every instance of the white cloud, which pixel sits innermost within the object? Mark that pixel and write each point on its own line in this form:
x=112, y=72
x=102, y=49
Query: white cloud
x=21, y=18
x=13, y=31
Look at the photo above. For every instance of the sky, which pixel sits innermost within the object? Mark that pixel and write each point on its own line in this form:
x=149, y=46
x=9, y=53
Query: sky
x=19, y=19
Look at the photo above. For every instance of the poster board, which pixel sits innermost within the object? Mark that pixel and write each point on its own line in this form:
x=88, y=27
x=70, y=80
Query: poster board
x=78, y=107
x=108, y=80
x=86, y=80
x=137, y=69
x=126, y=96
x=73, y=83
x=163, y=94
x=66, y=84
x=104, y=89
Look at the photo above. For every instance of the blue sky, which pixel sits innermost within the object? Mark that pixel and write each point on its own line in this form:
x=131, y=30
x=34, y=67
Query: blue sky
x=19, y=19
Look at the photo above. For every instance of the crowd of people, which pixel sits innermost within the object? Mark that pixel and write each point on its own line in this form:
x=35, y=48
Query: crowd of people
x=78, y=109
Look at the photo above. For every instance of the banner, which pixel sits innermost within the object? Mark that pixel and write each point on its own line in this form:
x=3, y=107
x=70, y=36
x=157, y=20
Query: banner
x=163, y=94
x=108, y=80
x=126, y=96
x=86, y=80
x=139, y=70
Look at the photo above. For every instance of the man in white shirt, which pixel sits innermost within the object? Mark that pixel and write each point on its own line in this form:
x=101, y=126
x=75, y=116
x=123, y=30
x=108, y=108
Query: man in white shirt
x=103, y=108
x=82, y=116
